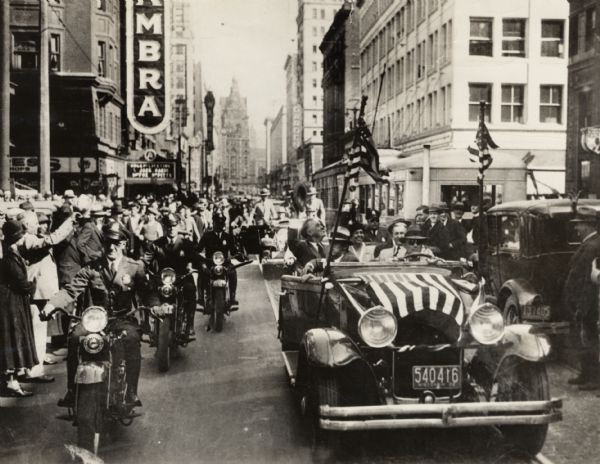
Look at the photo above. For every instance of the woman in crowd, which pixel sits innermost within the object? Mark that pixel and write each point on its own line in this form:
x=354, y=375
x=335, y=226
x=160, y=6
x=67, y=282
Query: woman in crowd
x=17, y=343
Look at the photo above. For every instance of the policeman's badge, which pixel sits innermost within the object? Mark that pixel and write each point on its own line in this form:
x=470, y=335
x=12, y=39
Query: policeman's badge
x=181, y=253
x=224, y=242
x=126, y=280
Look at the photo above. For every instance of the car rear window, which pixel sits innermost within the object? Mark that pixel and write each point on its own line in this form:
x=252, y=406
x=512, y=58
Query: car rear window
x=555, y=234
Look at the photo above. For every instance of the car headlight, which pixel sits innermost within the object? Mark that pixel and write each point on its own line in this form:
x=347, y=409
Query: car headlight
x=378, y=327
x=168, y=276
x=218, y=258
x=486, y=324
x=166, y=291
x=94, y=319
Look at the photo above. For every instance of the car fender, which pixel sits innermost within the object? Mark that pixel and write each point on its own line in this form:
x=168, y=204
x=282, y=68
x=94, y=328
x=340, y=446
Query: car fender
x=521, y=289
x=518, y=341
x=329, y=348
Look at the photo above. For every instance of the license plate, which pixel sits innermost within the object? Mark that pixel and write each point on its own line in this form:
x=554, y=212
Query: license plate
x=436, y=377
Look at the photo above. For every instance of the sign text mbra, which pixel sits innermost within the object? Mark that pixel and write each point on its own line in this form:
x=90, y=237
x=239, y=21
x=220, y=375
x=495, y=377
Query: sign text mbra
x=148, y=66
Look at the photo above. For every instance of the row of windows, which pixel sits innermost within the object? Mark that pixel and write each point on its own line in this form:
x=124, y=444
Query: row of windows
x=108, y=122
x=514, y=34
x=323, y=12
x=108, y=62
x=513, y=102
x=430, y=54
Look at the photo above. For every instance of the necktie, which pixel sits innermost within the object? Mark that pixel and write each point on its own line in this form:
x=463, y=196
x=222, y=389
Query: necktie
x=113, y=267
x=321, y=250
x=396, y=250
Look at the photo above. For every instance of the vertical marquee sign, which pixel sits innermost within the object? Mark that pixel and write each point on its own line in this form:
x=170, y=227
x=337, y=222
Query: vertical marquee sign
x=148, y=66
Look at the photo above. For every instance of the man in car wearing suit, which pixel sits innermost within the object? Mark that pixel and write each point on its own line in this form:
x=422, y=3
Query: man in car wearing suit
x=312, y=247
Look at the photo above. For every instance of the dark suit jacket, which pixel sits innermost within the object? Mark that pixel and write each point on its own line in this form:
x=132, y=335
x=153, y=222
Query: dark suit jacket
x=437, y=236
x=580, y=293
x=211, y=242
x=457, y=238
x=199, y=223
x=90, y=243
x=175, y=256
x=304, y=252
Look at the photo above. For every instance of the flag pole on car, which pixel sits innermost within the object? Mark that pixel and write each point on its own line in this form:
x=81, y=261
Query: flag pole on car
x=482, y=156
x=362, y=155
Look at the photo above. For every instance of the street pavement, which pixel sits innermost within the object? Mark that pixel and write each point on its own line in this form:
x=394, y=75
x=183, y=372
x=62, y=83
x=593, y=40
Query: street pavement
x=226, y=399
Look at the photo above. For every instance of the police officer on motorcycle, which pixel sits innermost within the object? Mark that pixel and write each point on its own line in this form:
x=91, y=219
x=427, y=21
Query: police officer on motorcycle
x=113, y=282
x=211, y=242
x=176, y=251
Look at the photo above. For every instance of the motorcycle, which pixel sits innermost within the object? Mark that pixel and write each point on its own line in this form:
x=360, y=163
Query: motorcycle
x=217, y=297
x=100, y=381
x=168, y=322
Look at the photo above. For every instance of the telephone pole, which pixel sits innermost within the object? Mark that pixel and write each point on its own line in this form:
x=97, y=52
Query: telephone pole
x=44, y=164
x=5, y=95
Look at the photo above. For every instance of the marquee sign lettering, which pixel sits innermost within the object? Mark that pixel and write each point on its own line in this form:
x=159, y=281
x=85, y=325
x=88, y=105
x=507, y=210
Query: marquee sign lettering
x=148, y=66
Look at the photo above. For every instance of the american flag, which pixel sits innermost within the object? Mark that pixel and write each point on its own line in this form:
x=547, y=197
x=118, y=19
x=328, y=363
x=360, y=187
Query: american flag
x=481, y=154
x=364, y=155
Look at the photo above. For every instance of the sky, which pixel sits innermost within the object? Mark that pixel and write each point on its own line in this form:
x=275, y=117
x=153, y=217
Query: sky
x=248, y=40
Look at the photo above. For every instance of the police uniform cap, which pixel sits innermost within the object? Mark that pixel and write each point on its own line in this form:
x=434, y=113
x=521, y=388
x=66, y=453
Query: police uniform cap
x=436, y=209
x=113, y=233
x=171, y=220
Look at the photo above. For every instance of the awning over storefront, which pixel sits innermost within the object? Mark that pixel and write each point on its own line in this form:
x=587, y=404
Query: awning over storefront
x=546, y=172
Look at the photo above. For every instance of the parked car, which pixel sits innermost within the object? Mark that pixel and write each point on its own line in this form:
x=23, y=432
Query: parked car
x=529, y=247
x=410, y=345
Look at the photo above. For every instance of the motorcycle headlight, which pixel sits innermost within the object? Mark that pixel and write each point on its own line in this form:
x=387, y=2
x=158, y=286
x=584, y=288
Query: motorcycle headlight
x=486, y=324
x=378, y=327
x=94, y=319
x=168, y=276
x=218, y=258
x=166, y=291
x=93, y=343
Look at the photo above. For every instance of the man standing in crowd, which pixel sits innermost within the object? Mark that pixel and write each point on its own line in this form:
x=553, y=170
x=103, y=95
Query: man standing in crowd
x=457, y=238
x=89, y=239
x=581, y=295
x=437, y=235
x=264, y=209
x=315, y=204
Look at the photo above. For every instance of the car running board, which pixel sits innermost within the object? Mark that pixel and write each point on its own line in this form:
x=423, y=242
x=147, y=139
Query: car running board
x=290, y=359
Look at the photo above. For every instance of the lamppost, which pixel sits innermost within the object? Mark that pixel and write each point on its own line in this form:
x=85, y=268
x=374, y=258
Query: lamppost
x=209, y=103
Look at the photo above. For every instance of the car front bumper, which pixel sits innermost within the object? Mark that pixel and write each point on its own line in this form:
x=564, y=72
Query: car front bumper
x=399, y=416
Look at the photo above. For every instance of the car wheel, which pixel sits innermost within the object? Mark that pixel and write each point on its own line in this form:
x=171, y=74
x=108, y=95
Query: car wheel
x=323, y=390
x=511, y=312
x=524, y=381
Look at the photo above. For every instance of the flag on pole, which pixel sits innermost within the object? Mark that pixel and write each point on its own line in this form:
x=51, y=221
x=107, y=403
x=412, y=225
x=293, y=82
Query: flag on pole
x=364, y=155
x=481, y=154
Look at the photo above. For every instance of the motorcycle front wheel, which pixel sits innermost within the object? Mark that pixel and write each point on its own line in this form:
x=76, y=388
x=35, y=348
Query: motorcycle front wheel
x=163, y=345
x=91, y=399
x=219, y=308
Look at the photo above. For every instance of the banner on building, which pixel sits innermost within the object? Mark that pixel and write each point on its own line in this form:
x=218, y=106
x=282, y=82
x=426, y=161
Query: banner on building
x=162, y=172
x=29, y=164
x=148, y=65
x=590, y=139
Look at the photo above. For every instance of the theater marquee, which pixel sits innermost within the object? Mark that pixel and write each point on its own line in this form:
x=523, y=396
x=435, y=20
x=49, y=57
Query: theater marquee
x=148, y=65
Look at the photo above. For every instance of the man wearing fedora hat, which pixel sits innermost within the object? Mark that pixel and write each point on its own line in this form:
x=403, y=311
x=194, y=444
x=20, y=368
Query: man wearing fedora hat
x=265, y=209
x=436, y=233
x=581, y=295
x=114, y=282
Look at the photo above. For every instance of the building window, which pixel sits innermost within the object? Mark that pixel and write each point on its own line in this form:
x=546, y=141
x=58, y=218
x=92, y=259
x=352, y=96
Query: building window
x=314, y=83
x=24, y=51
x=314, y=31
x=314, y=10
x=101, y=59
x=477, y=93
x=551, y=104
x=322, y=14
x=54, y=52
x=410, y=15
x=512, y=103
x=314, y=49
x=480, y=41
x=101, y=5
x=180, y=49
x=314, y=66
x=513, y=37
x=590, y=27
x=552, y=38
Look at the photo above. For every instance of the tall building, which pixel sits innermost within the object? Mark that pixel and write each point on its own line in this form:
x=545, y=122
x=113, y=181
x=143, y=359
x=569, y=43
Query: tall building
x=237, y=174
x=313, y=20
x=341, y=81
x=293, y=109
x=437, y=59
x=86, y=97
x=583, y=164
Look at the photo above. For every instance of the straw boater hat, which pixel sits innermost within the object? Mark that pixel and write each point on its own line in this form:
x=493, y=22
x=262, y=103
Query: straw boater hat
x=264, y=192
x=585, y=214
x=392, y=224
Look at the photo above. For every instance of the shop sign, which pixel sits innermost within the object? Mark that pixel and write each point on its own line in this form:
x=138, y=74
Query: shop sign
x=29, y=164
x=148, y=65
x=590, y=139
x=144, y=172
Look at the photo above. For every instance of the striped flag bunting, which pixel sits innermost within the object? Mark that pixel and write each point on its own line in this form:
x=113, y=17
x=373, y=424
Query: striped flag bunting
x=364, y=155
x=481, y=154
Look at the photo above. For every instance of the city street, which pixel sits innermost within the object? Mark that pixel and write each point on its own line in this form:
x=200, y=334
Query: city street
x=226, y=399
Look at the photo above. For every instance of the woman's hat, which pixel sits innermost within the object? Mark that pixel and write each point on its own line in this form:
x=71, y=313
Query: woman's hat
x=342, y=235
x=13, y=231
x=356, y=226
